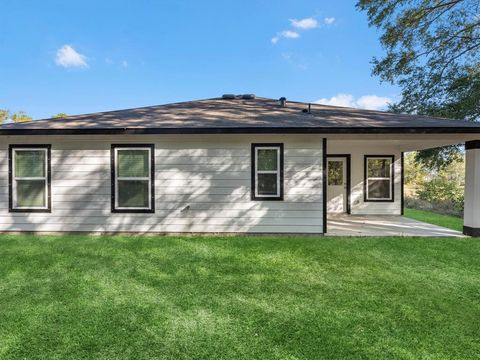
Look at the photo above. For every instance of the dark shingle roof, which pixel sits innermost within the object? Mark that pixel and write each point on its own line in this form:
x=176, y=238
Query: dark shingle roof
x=259, y=115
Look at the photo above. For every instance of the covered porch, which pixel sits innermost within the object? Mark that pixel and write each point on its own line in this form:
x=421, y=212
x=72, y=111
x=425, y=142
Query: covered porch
x=365, y=184
x=383, y=225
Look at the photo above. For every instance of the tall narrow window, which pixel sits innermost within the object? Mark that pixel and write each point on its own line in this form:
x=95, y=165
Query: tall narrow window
x=132, y=178
x=267, y=171
x=29, y=175
x=378, y=184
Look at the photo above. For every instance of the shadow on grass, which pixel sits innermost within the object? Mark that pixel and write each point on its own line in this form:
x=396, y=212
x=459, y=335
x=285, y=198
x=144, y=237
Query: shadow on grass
x=238, y=297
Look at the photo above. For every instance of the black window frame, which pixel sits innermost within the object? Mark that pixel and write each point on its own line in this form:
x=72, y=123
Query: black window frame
x=113, y=178
x=11, y=150
x=253, y=191
x=392, y=177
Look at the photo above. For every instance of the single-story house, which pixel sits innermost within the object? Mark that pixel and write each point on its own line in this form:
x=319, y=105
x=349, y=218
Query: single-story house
x=234, y=164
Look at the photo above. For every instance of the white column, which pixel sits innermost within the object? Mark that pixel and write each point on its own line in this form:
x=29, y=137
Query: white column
x=471, y=220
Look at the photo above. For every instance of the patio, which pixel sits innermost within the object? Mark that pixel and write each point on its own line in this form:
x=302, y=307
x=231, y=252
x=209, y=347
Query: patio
x=388, y=225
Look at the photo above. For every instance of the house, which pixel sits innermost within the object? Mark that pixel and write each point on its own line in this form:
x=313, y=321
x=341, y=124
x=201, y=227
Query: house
x=234, y=164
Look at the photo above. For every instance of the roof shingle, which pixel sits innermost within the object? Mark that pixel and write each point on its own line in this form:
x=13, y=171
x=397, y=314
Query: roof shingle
x=239, y=116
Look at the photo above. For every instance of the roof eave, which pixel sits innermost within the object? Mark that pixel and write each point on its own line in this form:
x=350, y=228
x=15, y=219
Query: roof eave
x=247, y=130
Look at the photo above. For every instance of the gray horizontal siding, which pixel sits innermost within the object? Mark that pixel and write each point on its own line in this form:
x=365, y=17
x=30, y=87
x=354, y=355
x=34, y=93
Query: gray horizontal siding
x=210, y=176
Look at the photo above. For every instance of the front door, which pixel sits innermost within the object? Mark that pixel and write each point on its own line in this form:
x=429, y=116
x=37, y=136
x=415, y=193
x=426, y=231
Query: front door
x=336, y=185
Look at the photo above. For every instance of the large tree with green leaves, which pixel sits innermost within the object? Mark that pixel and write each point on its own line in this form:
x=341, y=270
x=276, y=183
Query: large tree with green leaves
x=433, y=54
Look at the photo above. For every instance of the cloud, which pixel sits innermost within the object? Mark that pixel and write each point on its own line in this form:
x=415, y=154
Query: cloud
x=373, y=102
x=67, y=57
x=124, y=63
x=301, y=24
x=329, y=20
x=305, y=24
x=370, y=102
x=287, y=34
x=338, y=100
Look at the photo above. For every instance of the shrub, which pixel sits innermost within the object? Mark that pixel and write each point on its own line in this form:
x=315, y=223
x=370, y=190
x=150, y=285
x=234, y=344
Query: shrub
x=440, y=191
x=442, y=207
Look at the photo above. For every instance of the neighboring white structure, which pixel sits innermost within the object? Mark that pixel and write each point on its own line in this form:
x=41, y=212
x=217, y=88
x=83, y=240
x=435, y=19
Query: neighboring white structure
x=235, y=165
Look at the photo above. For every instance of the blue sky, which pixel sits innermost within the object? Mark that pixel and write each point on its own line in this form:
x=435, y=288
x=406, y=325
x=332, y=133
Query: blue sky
x=87, y=56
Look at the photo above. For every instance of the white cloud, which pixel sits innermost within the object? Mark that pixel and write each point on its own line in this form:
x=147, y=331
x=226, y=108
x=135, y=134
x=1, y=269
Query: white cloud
x=329, y=20
x=124, y=63
x=370, y=102
x=373, y=102
x=307, y=23
x=338, y=100
x=287, y=34
x=67, y=56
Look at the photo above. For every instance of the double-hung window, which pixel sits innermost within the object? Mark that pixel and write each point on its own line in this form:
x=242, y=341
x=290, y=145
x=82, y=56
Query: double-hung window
x=267, y=171
x=133, y=178
x=378, y=184
x=29, y=178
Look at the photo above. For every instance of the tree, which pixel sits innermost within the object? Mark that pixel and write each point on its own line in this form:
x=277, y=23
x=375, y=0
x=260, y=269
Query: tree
x=19, y=116
x=415, y=172
x=4, y=115
x=433, y=54
x=59, y=115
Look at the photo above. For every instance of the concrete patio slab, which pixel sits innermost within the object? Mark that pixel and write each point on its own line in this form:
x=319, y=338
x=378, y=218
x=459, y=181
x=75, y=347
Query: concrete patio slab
x=388, y=225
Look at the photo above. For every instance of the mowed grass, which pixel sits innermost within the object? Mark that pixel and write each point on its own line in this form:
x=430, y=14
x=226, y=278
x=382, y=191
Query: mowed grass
x=451, y=222
x=86, y=297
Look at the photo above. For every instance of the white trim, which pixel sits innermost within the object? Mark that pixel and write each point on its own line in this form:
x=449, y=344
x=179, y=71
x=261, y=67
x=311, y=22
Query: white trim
x=29, y=178
x=389, y=178
x=277, y=172
x=149, y=179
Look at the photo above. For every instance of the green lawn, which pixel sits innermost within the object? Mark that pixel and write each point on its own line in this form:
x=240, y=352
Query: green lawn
x=239, y=297
x=451, y=222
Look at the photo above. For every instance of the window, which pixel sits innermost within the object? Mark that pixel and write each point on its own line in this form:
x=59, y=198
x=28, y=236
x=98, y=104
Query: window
x=378, y=184
x=132, y=178
x=335, y=172
x=29, y=178
x=267, y=171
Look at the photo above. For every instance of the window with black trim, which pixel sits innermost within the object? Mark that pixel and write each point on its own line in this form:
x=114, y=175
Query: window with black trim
x=133, y=169
x=378, y=183
x=267, y=171
x=29, y=178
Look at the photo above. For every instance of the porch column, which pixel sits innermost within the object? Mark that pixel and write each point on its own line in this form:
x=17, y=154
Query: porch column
x=471, y=222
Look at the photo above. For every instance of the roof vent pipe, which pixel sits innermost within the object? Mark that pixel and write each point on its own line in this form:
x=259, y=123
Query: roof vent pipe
x=283, y=101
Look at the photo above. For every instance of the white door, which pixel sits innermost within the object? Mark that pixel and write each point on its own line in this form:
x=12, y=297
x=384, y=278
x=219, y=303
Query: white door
x=336, y=185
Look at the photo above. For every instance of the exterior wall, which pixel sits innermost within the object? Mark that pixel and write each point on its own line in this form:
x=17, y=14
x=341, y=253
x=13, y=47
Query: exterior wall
x=358, y=149
x=209, y=173
x=472, y=191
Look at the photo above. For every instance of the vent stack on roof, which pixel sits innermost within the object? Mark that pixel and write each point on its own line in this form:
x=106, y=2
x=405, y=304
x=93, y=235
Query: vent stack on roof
x=244, y=96
x=228, y=96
